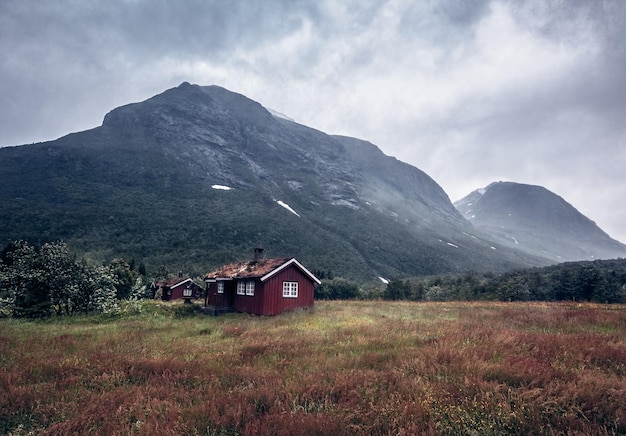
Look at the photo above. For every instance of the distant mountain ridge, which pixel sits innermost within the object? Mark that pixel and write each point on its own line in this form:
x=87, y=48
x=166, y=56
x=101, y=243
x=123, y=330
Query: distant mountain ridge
x=533, y=219
x=197, y=176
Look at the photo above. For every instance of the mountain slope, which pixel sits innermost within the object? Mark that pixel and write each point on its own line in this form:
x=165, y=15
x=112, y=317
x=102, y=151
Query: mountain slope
x=537, y=221
x=197, y=176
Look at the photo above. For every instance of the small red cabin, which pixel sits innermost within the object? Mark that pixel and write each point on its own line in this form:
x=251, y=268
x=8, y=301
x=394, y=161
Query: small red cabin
x=176, y=288
x=261, y=286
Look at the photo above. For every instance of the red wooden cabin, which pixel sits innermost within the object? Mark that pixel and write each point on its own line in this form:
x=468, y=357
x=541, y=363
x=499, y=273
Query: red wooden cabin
x=176, y=288
x=261, y=286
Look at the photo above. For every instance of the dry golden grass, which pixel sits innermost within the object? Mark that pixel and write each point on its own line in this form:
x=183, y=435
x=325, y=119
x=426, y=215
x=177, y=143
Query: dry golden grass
x=342, y=368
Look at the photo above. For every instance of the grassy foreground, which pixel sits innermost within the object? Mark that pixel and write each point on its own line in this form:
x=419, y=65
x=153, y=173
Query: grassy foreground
x=341, y=368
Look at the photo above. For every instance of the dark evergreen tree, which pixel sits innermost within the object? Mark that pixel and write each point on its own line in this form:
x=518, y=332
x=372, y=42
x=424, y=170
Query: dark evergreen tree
x=24, y=281
x=337, y=289
x=397, y=290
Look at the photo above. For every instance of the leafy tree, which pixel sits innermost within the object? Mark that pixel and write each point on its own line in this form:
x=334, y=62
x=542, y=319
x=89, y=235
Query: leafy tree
x=397, y=290
x=437, y=293
x=62, y=275
x=140, y=289
x=37, y=283
x=590, y=282
x=103, y=294
x=24, y=282
x=514, y=287
x=124, y=277
x=337, y=289
x=611, y=292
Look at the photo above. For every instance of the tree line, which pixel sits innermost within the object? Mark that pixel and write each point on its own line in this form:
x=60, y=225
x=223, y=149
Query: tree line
x=49, y=280
x=600, y=281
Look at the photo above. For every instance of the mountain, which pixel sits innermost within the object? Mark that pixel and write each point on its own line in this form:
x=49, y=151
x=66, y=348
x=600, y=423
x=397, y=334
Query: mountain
x=533, y=219
x=198, y=176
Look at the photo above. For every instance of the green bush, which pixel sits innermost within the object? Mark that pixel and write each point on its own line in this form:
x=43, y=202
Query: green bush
x=337, y=289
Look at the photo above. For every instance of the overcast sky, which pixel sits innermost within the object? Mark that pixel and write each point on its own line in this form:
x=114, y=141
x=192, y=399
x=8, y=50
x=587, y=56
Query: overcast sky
x=469, y=91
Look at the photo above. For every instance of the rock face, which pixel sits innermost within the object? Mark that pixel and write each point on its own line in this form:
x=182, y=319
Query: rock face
x=237, y=142
x=537, y=221
x=196, y=177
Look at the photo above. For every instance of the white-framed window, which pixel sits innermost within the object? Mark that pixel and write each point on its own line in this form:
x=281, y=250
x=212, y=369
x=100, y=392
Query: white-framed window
x=241, y=288
x=250, y=288
x=220, y=287
x=187, y=292
x=290, y=289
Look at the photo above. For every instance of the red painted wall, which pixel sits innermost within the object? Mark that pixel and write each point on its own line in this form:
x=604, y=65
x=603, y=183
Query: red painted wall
x=221, y=300
x=274, y=302
x=250, y=303
x=268, y=296
x=177, y=291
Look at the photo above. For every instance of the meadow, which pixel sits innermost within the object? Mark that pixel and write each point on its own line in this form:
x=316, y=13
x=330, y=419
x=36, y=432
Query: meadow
x=342, y=368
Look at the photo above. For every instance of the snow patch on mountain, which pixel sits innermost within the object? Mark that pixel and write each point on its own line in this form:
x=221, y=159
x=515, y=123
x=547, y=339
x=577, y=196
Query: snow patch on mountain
x=448, y=243
x=351, y=203
x=513, y=238
x=286, y=206
x=221, y=187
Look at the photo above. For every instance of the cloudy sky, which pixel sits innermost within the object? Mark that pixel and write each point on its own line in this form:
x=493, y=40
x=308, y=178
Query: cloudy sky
x=469, y=91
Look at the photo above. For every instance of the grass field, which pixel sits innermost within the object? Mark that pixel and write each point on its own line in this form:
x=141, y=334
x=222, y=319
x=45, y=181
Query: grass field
x=341, y=368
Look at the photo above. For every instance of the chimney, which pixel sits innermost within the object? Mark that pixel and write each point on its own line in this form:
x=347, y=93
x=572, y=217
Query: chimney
x=258, y=253
x=180, y=274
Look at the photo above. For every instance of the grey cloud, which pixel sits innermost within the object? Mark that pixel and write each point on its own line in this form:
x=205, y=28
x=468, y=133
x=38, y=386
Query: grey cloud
x=143, y=29
x=63, y=54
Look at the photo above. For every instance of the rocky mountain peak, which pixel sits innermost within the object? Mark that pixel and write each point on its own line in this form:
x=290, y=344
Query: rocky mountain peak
x=188, y=108
x=536, y=220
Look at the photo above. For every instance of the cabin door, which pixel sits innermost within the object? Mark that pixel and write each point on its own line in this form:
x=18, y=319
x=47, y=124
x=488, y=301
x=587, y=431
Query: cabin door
x=229, y=294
